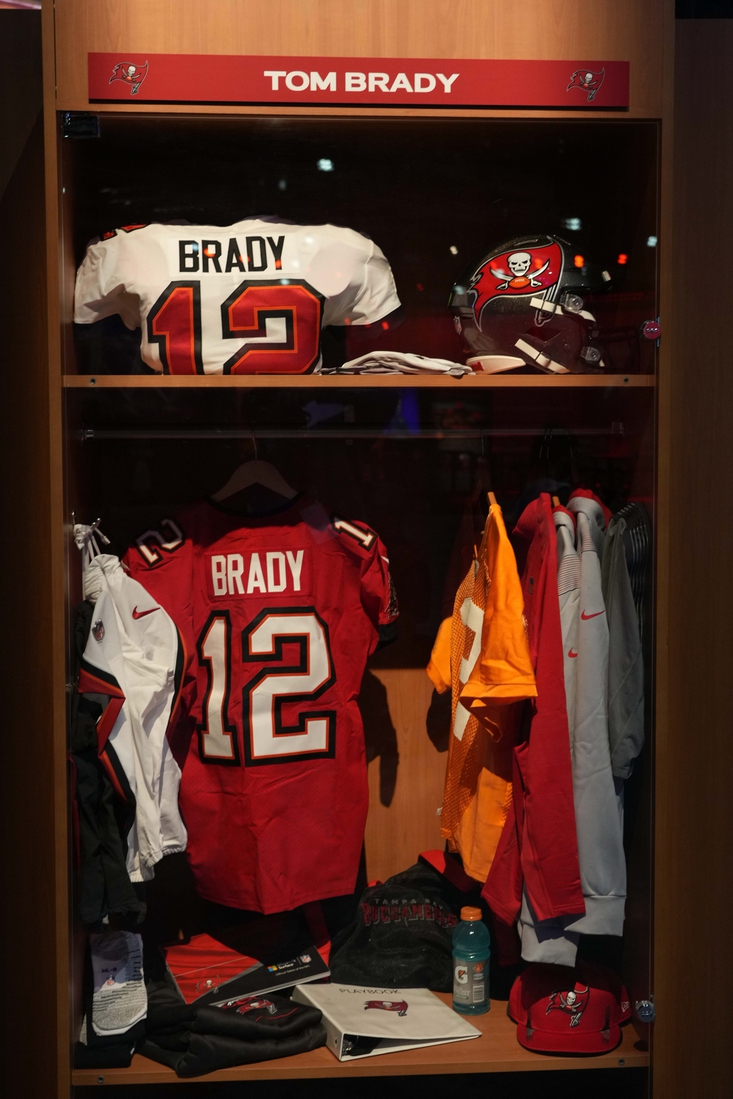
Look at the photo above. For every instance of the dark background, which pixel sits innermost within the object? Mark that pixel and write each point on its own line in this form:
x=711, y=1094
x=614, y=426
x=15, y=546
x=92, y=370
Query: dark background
x=704, y=9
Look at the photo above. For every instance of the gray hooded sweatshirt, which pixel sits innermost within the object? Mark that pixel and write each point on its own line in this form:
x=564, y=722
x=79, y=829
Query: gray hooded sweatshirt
x=626, y=664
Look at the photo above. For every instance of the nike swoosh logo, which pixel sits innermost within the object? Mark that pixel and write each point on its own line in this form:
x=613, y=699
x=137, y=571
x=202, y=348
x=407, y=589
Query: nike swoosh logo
x=571, y=653
x=595, y=614
x=141, y=614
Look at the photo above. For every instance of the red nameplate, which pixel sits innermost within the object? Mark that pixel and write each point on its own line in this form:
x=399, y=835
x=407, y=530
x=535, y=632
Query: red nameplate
x=400, y=82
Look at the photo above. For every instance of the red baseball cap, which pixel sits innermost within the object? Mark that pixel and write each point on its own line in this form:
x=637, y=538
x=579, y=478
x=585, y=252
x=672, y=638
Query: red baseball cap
x=562, y=1010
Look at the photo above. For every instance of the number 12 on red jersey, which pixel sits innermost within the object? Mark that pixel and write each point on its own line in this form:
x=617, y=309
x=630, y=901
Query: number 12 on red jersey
x=265, y=736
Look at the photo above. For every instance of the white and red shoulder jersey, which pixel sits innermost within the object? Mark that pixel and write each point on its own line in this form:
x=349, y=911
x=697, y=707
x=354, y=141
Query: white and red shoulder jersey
x=249, y=298
x=278, y=615
x=133, y=666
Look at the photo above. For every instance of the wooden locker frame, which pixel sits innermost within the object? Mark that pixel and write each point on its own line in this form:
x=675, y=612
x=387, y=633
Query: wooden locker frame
x=641, y=33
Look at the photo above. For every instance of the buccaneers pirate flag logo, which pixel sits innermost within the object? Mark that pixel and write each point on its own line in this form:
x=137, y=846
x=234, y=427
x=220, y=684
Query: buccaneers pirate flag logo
x=590, y=82
x=573, y=1003
x=400, y=1006
x=131, y=74
x=532, y=271
x=242, y=1007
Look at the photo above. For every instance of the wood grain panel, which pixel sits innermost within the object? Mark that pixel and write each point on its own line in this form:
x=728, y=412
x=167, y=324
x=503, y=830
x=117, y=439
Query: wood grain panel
x=21, y=90
x=33, y=853
x=406, y=776
x=497, y=1050
x=56, y=538
x=665, y=514
x=543, y=29
x=694, y=818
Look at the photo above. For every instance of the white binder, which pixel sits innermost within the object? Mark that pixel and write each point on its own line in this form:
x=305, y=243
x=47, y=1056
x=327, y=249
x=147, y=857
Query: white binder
x=364, y=1021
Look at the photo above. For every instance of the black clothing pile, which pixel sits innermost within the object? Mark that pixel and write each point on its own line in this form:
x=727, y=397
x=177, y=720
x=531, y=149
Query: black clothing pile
x=196, y=1040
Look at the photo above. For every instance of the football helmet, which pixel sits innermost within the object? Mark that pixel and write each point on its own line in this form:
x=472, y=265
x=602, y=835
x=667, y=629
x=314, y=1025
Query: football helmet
x=523, y=305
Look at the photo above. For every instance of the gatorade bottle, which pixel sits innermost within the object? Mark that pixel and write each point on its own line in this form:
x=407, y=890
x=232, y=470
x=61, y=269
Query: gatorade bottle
x=471, y=964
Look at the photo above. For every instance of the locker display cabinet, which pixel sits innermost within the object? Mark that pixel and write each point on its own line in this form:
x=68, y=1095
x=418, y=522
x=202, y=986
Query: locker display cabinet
x=435, y=188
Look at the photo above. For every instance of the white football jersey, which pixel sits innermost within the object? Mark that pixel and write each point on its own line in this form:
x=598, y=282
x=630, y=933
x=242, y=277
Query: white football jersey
x=134, y=659
x=249, y=298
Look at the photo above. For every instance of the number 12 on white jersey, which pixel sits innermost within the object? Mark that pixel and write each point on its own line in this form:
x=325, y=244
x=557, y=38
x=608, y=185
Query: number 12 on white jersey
x=266, y=738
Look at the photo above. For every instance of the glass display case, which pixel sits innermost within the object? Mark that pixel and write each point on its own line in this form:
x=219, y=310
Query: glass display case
x=411, y=456
x=436, y=195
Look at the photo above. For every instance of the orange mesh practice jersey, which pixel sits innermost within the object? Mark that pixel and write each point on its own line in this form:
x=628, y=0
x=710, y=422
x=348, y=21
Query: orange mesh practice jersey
x=482, y=654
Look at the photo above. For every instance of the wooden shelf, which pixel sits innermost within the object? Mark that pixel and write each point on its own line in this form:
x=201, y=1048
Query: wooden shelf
x=350, y=381
x=371, y=111
x=497, y=1050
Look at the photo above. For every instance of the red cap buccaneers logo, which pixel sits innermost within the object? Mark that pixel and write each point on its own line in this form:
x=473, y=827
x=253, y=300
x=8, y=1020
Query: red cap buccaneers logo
x=400, y=1006
x=573, y=1003
x=131, y=74
x=519, y=272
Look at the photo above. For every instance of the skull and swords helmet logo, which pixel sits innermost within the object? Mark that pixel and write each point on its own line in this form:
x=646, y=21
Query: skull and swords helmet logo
x=523, y=304
x=520, y=277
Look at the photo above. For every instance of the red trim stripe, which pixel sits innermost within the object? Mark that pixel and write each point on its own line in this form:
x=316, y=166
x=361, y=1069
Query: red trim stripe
x=92, y=684
x=106, y=723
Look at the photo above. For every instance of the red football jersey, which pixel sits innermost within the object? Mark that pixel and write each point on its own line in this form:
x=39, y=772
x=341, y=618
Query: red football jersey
x=278, y=615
